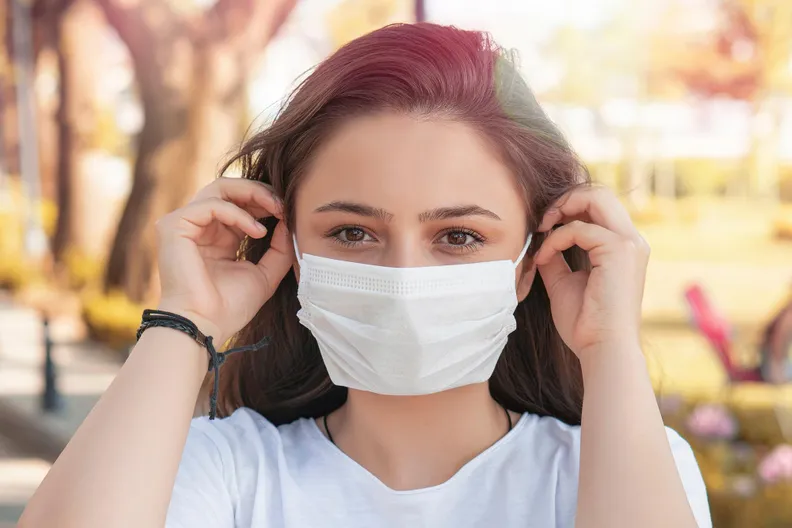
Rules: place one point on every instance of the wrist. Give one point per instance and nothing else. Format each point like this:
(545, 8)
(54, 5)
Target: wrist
(204, 325)
(622, 351)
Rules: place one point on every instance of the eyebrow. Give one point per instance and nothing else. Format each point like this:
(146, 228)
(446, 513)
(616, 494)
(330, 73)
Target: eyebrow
(441, 213)
(457, 211)
(355, 208)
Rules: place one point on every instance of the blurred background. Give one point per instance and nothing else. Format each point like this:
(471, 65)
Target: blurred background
(113, 112)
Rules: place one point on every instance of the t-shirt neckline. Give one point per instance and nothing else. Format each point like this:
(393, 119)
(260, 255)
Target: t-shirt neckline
(476, 461)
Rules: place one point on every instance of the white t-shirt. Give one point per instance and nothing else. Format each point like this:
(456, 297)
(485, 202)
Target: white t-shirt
(243, 472)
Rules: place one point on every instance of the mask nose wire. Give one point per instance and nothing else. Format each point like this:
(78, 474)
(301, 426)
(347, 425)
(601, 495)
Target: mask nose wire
(522, 253)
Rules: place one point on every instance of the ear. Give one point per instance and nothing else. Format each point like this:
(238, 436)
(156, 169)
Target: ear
(526, 273)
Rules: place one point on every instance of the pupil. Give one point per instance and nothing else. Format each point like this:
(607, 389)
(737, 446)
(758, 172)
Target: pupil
(457, 239)
(354, 235)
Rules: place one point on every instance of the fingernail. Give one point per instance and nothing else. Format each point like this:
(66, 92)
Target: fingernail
(261, 227)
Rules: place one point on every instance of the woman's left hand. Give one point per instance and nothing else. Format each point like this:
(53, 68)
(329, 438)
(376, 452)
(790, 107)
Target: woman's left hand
(597, 309)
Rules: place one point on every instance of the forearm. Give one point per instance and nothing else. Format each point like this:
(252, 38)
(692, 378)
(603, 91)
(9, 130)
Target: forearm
(628, 476)
(119, 468)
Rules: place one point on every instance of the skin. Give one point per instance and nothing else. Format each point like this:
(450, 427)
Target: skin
(405, 167)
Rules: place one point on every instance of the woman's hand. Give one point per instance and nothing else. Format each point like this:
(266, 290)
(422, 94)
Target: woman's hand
(600, 309)
(200, 275)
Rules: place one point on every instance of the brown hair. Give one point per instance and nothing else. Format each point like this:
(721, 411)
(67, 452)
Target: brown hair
(425, 70)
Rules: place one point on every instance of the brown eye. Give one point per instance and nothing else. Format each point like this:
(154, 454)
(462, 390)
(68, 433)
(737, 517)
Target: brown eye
(353, 234)
(458, 238)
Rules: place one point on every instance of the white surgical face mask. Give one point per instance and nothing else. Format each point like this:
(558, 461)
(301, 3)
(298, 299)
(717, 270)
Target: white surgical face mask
(408, 331)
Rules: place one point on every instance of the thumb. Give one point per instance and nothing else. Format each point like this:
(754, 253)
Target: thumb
(553, 271)
(278, 259)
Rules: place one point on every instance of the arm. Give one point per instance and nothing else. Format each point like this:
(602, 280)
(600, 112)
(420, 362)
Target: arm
(628, 476)
(119, 469)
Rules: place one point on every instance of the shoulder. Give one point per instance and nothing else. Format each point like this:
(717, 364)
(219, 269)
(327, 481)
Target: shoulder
(243, 435)
(242, 423)
(246, 434)
(548, 434)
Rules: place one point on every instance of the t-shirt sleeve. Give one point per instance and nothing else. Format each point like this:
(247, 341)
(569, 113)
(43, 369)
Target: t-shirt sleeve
(686, 465)
(201, 497)
(691, 477)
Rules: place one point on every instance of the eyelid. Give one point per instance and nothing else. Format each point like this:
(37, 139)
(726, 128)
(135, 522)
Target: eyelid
(339, 229)
(461, 229)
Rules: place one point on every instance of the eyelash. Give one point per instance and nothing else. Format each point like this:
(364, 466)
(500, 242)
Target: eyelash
(478, 239)
(333, 234)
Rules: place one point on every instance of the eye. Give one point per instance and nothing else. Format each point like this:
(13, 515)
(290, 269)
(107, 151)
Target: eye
(458, 238)
(461, 239)
(350, 235)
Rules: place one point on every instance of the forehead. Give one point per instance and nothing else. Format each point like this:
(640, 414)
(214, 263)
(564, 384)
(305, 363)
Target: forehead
(402, 161)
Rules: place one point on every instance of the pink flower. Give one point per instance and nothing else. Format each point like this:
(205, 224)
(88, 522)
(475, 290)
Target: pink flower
(777, 465)
(713, 422)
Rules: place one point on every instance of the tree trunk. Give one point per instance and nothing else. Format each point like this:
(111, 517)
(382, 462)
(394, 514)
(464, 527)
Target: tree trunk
(218, 109)
(192, 81)
(10, 121)
(46, 16)
(181, 147)
(160, 176)
(81, 26)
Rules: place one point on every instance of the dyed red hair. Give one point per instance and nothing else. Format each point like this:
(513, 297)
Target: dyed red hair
(429, 71)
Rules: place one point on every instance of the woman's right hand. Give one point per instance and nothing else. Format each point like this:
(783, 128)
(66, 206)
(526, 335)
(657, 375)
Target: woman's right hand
(200, 276)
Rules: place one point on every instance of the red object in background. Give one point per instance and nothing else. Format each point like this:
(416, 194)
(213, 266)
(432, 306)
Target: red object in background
(718, 332)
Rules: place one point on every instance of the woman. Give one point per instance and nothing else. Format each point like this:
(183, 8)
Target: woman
(429, 370)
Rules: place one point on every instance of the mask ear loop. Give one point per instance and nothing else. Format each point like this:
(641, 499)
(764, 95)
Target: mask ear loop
(296, 249)
(523, 252)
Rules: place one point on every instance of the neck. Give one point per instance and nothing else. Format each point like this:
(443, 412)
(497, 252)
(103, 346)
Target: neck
(412, 442)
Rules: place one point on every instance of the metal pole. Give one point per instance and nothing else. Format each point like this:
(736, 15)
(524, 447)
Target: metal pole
(35, 238)
(50, 397)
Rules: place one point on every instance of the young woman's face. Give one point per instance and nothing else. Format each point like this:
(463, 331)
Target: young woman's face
(401, 191)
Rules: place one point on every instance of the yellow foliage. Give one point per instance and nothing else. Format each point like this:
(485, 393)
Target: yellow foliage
(48, 213)
(15, 270)
(111, 318)
(82, 270)
(706, 176)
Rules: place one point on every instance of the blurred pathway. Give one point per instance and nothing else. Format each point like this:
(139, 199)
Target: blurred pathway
(31, 439)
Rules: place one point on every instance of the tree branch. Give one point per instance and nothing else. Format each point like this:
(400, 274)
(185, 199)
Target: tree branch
(248, 24)
(143, 25)
(129, 25)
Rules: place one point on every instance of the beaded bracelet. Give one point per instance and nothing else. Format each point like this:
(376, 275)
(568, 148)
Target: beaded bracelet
(152, 318)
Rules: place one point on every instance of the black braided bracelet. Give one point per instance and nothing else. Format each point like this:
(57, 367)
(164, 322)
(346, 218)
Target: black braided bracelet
(152, 318)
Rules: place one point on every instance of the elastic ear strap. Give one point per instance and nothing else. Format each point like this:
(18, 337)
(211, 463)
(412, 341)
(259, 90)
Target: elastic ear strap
(296, 249)
(524, 250)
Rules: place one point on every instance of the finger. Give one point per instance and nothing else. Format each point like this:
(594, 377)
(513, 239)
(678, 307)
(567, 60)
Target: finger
(596, 204)
(588, 237)
(278, 259)
(197, 216)
(553, 271)
(253, 195)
